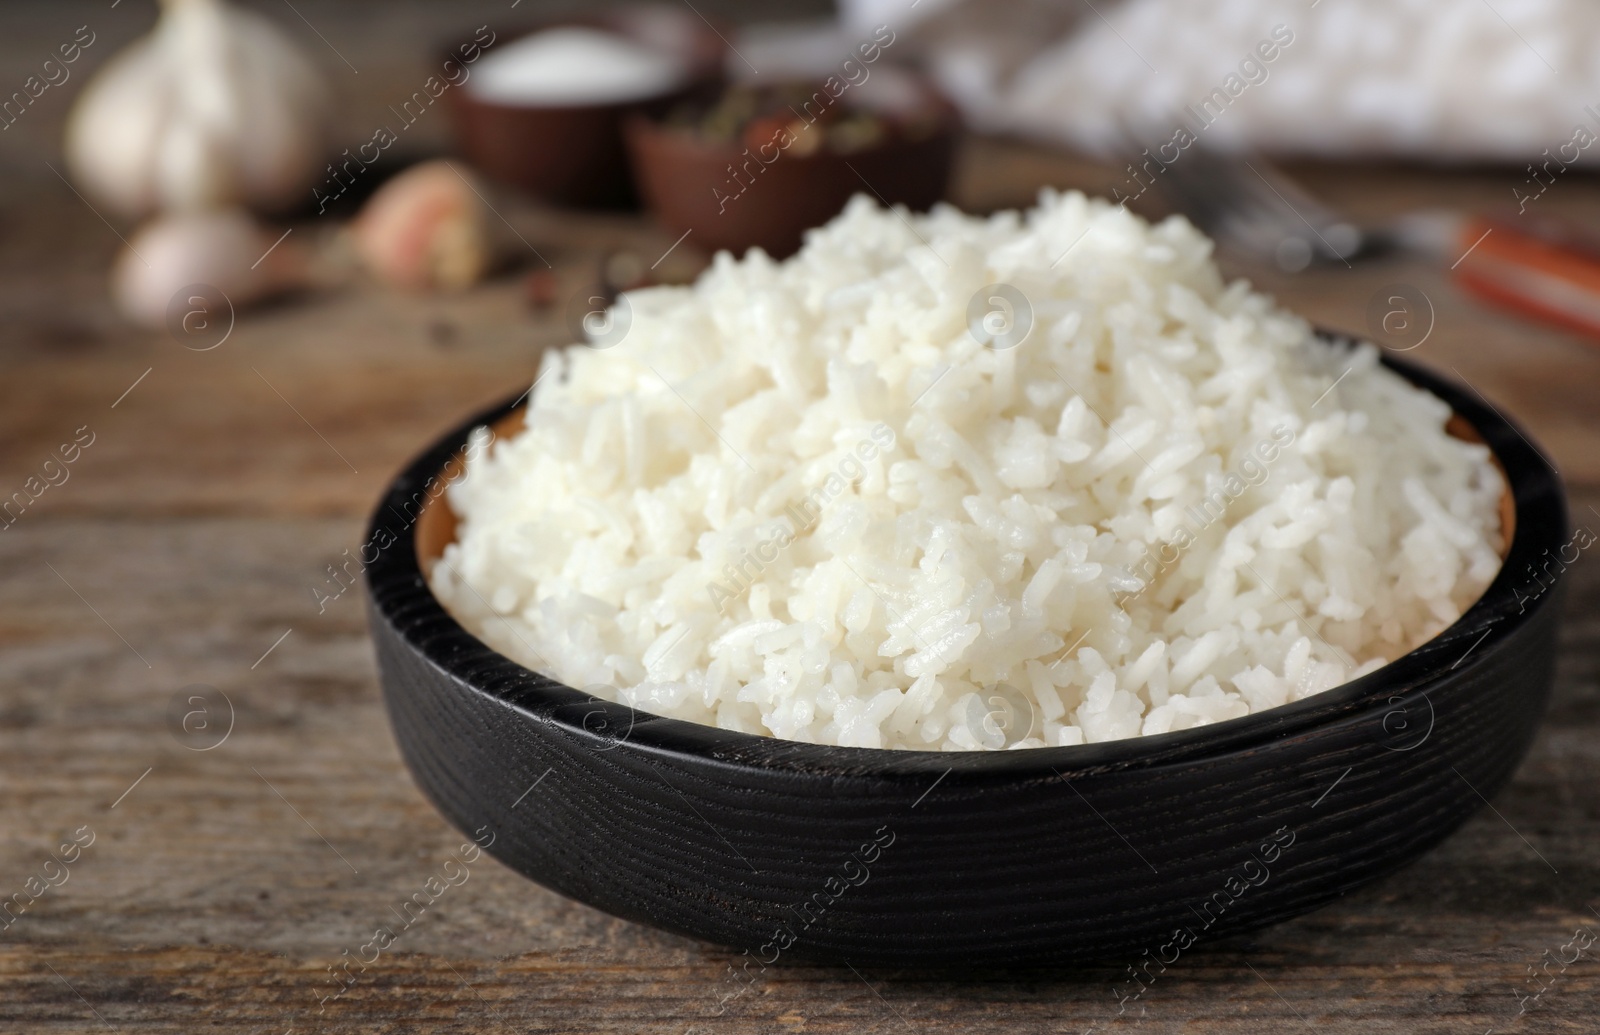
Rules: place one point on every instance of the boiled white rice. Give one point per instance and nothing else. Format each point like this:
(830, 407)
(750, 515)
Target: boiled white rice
(806, 499)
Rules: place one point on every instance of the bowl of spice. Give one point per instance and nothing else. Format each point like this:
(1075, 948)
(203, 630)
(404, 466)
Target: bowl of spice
(759, 165)
(543, 112)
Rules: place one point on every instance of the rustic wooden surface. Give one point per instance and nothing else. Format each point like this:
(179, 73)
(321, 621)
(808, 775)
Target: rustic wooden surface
(222, 884)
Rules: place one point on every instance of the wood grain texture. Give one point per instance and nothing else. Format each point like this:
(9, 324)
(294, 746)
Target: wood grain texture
(205, 512)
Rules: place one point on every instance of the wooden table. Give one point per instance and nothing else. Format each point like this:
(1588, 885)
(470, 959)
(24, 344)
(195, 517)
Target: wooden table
(186, 545)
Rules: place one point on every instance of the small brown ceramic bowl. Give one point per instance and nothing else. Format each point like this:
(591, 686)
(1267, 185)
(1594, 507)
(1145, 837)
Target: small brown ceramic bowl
(1133, 848)
(574, 154)
(736, 197)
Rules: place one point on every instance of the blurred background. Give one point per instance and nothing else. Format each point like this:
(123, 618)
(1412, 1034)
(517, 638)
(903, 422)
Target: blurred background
(583, 142)
(254, 255)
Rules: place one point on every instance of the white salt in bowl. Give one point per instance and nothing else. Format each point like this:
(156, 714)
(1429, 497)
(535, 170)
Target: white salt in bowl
(528, 121)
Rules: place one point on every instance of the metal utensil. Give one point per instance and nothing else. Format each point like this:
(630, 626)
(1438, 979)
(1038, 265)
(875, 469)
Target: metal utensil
(1548, 270)
(1246, 202)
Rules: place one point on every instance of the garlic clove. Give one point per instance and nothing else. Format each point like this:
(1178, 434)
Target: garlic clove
(428, 228)
(215, 107)
(225, 249)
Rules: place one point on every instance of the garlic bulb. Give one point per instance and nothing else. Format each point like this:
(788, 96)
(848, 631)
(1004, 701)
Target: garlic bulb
(430, 228)
(215, 107)
(225, 249)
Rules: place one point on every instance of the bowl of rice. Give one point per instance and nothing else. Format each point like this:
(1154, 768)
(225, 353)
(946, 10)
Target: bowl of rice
(1011, 588)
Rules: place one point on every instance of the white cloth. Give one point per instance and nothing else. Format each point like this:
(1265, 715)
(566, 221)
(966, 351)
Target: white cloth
(1438, 80)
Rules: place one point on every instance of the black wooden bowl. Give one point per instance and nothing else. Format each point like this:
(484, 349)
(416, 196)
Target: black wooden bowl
(1133, 849)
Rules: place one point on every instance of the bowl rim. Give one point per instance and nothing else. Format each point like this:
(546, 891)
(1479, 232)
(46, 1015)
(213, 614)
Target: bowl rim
(699, 71)
(1539, 525)
(944, 123)
(640, 131)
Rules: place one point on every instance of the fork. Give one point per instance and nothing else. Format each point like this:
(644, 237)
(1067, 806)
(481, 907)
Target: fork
(1544, 269)
(1246, 202)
